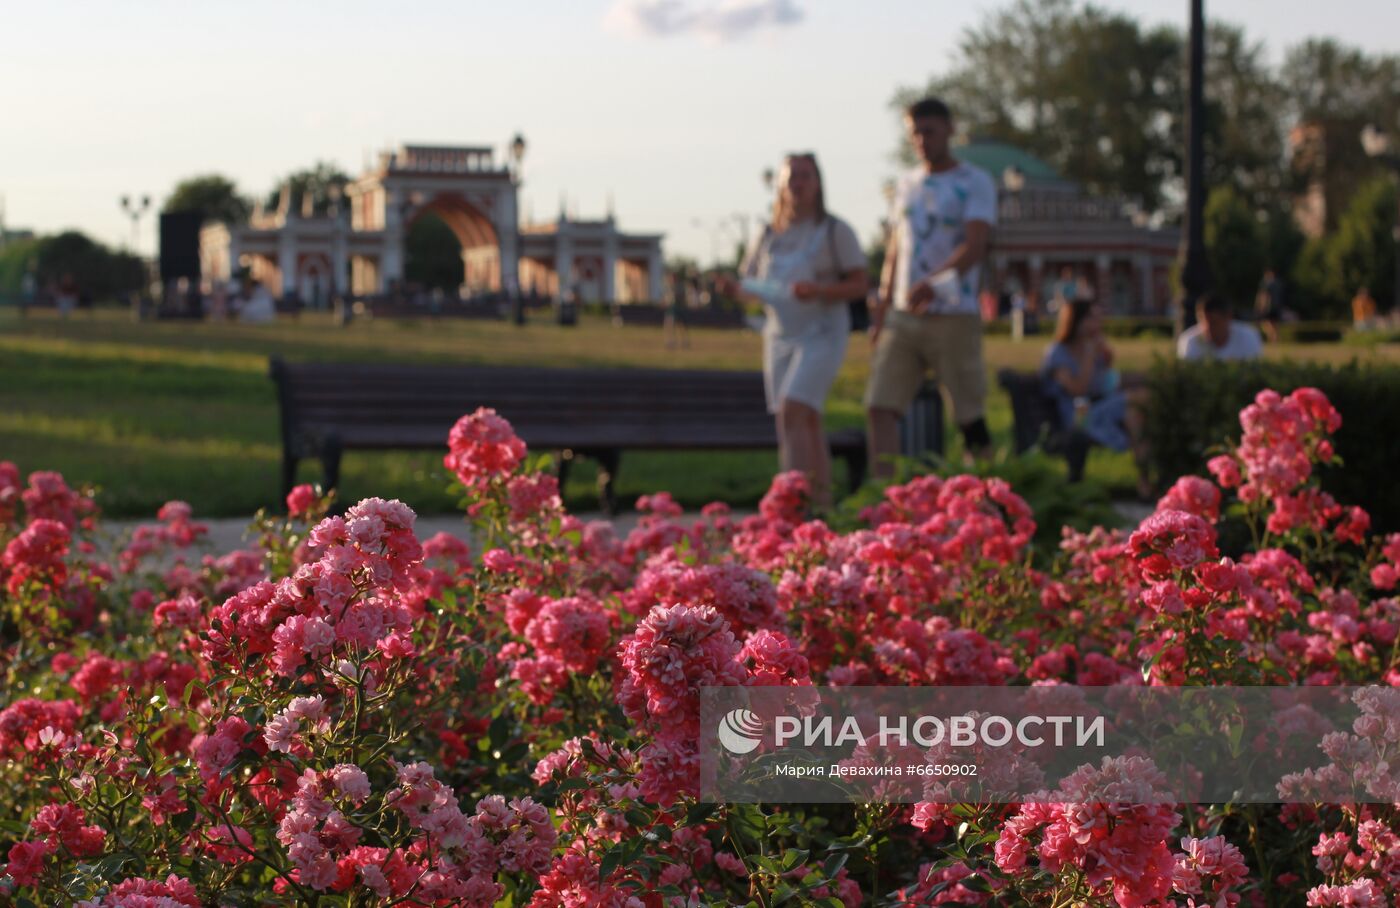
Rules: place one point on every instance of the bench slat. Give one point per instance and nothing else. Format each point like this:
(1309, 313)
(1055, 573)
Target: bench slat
(330, 407)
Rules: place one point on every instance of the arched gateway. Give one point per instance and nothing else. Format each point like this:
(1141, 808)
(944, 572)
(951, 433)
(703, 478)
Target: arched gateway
(363, 253)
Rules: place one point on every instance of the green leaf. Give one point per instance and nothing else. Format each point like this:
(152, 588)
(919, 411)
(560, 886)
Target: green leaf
(792, 859)
(609, 863)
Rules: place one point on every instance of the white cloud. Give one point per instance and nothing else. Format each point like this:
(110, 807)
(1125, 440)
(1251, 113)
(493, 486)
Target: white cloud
(728, 20)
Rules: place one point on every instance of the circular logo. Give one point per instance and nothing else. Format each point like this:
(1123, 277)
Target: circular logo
(740, 731)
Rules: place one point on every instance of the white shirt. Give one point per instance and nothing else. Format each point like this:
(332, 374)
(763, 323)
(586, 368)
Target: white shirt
(931, 212)
(1243, 343)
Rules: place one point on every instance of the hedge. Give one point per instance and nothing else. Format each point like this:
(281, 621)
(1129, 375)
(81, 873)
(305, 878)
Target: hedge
(1312, 332)
(1195, 406)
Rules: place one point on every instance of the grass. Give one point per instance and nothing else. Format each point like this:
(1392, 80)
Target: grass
(154, 411)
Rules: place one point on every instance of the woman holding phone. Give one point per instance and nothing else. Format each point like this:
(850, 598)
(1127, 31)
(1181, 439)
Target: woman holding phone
(804, 268)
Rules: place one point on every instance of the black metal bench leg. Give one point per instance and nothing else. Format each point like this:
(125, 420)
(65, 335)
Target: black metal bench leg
(331, 451)
(855, 469)
(608, 463)
(1077, 455)
(566, 460)
(289, 472)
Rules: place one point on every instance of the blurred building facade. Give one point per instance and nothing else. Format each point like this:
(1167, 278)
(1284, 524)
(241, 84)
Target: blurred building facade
(1050, 229)
(356, 245)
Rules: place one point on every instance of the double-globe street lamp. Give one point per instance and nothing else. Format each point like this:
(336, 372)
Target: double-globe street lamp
(134, 209)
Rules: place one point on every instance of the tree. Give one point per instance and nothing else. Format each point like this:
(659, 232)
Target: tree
(1312, 295)
(1102, 99)
(433, 255)
(1075, 86)
(1244, 136)
(16, 258)
(1324, 78)
(1283, 241)
(317, 180)
(1337, 91)
(1234, 245)
(100, 273)
(213, 195)
(1361, 253)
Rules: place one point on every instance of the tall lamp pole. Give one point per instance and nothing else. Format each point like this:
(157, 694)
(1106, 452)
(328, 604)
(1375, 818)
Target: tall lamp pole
(1195, 269)
(1381, 146)
(516, 151)
(134, 208)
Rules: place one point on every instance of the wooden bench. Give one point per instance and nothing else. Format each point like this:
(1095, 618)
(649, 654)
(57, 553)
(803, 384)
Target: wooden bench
(328, 408)
(1036, 419)
(452, 308)
(629, 314)
(289, 305)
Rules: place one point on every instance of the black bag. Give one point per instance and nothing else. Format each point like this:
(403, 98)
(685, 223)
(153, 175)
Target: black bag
(860, 309)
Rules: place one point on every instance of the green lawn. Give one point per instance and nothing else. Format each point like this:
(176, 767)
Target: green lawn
(155, 411)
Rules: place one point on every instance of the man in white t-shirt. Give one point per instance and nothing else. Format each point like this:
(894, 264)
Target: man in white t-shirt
(1217, 336)
(926, 320)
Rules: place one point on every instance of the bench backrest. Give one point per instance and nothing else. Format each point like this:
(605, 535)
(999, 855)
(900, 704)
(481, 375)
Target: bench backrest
(644, 314)
(547, 407)
(450, 309)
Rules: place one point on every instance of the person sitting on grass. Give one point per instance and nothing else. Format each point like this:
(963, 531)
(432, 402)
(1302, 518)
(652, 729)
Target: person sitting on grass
(255, 305)
(1217, 336)
(1078, 375)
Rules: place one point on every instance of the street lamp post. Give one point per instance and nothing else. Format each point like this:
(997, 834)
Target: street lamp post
(134, 209)
(1379, 145)
(1195, 269)
(517, 160)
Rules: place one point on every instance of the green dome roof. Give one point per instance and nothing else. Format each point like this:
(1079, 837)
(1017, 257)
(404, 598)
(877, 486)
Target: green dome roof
(994, 157)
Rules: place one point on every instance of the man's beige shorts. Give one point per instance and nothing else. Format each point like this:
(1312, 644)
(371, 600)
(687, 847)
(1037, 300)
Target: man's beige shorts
(912, 346)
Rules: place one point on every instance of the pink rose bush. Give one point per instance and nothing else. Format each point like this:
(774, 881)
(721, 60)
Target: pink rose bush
(344, 714)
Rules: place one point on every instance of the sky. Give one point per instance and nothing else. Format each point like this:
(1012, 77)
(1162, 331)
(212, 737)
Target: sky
(671, 108)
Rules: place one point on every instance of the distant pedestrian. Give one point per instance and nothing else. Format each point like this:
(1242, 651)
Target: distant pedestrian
(1065, 290)
(674, 326)
(1268, 304)
(28, 289)
(1018, 314)
(1363, 310)
(66, 297)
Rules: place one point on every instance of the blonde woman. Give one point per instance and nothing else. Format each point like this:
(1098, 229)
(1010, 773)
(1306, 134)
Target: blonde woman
(804, 268)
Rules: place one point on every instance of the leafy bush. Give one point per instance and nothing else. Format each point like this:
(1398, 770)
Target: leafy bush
(1140, 326)
(1235, 246)
(101, 272)
(1312, 332)
(1195, 406)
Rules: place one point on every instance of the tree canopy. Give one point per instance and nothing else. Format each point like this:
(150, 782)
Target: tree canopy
(1101, 97)
(213, 195)
(317, 180)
